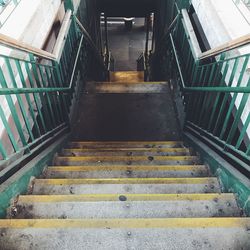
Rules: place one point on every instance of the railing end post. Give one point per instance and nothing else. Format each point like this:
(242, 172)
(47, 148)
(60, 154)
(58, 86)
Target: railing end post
(68, 4)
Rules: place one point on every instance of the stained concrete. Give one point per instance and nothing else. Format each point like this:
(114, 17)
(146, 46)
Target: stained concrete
(126, 117)
(223, 238)
(200, 171)
(212, 186)
(129, 209)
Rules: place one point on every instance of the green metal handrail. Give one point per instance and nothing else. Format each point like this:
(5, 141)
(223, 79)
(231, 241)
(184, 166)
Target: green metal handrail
(37, 93)
(3, 6)
(215, 93)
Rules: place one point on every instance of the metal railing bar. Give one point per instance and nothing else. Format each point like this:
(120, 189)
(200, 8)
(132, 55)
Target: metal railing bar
(19, 100)
(222, 144)
(90, 41)
(31, 110)
(8, 130)
(13, 91)
(36, 97)
(13, 110)
(25, 61)
(201, 88)
(177, 61)
(233, 44)
(3, 151)
(243, 132)
(13, 43)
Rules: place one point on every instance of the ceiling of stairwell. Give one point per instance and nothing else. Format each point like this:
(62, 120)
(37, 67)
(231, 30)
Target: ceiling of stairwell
(135, 8)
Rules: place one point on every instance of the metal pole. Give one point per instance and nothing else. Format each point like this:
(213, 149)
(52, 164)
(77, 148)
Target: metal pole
(147, 36)
(106, 34)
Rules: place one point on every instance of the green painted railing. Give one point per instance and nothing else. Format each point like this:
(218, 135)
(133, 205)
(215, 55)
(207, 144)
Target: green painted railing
(215, 94)
(36, 94)
(7, 6)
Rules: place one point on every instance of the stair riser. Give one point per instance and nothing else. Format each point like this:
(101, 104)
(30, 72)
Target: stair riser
(126, 188)
(101, 161)
(124, 153)
(136, 88)
(115, 145)
(126, 174)
(126, 238)
(128, 209)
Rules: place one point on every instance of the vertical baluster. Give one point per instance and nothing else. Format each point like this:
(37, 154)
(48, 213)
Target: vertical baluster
(13, 110)
(42, 96)
(243, 132)
(8, 130)
(36, 98)
(237, 116)
(199, 95)
(23, 81)
(218, 95)
(225, 100)
(248, 150)
(19, 99)
(193, 97)
(207, 97)
(59, 81)
(55, 98)
(232, 103)
(47, 95)
(3, 151)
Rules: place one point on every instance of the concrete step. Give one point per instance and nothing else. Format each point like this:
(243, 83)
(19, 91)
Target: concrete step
(124, 234)
(129, 160)
(125, 87)
(126, 152)
(89, 145)
(126, 186)
(129, 206)
(127, 76)
(124, 171)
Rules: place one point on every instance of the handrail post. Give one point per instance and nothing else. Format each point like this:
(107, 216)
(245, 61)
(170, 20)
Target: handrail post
(106, 48)
(68, 4)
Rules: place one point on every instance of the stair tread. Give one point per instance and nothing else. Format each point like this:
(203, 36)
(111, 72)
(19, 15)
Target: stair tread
(125, 167)
(130, 160)
(141, 234)
(129, 88)
(129, 197)
(129, 76)
(128, 181)
(219, 222)
(129, 185)
(123, 171)
(168, 208)
(124, 151)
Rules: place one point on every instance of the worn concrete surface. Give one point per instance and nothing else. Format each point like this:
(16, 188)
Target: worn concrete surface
(223, 238)
(126, 117)
(127, 172)
(210, 187)
(129, 209)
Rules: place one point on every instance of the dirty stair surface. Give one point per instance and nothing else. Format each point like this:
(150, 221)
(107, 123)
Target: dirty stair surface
(125, 195)
(127, 76)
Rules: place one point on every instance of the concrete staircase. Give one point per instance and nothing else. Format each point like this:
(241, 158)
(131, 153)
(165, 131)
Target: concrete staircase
(125, 195)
